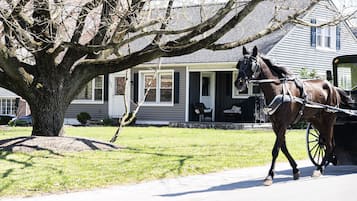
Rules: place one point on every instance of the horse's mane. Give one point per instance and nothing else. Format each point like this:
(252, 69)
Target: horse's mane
(279, 70)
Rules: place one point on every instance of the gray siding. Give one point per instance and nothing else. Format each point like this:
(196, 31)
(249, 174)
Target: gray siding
(294, 50)
(164, 113)
(97, 111)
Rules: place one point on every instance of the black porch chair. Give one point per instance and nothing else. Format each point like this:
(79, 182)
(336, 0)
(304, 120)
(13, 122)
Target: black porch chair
(204, 113)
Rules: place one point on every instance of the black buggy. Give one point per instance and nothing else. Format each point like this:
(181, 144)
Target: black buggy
(345, 129)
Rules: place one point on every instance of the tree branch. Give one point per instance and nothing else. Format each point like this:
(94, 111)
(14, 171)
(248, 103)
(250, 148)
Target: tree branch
(177, 49)
(270, 29)
(78, 31)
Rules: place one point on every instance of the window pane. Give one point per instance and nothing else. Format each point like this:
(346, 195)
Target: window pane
(327, 37)
(120, 85)
(8, 106)
(166, 88)
(3, 106)
(98, 90)
(205, 86)
(150, 86)
(86, 93)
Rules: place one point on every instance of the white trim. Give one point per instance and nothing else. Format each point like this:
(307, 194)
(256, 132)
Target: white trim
(111, 91)
(187, 90)
(87, 102)
(212, 90)
(158, 80)
(250, 89)
(184, 65)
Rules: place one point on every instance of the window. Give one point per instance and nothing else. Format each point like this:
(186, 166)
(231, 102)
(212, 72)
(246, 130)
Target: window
(323, 37)
(158, 87)
(326, 37)
(92, 92)
(251, 90)
(344, 74)
(205, 86)
(120, 83)
(7, 106)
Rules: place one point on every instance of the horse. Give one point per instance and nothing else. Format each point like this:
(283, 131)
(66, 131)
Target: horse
(287, 99)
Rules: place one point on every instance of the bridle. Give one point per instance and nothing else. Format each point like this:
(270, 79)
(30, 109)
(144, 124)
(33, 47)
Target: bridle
(254, 67)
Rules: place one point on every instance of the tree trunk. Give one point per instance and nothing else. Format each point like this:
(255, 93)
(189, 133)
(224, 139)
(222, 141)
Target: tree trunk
(48, 116)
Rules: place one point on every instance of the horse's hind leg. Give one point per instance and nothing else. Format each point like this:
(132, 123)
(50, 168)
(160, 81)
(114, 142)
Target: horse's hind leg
(326, 132)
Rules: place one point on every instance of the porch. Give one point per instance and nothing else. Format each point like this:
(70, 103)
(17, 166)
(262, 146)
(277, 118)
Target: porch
(214, 99)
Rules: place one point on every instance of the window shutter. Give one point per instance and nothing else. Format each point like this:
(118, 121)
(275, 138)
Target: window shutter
(313, 34)
(176, 87)
(338, 36)
(136, 87)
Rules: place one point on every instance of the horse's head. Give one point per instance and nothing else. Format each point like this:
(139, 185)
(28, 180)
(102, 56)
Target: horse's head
(248, 68)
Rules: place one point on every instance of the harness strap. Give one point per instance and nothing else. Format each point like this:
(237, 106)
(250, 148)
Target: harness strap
(286, 96)
(300, 85)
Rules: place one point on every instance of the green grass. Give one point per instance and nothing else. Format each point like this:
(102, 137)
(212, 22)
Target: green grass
(148, 153)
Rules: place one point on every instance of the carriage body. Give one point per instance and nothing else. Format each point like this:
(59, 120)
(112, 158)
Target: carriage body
(345, 129)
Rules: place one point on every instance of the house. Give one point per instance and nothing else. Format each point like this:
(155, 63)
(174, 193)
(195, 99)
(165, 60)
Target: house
(179, 83)
(207, 76)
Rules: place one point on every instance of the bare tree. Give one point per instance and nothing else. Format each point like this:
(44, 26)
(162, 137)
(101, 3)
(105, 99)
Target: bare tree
(50, 49)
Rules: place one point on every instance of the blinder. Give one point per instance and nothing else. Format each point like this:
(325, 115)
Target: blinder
(254, 67)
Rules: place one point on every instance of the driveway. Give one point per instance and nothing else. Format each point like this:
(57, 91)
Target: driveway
(338, 183)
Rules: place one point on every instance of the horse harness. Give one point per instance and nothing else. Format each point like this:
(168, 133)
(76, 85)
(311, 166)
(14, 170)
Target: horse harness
(285, 96)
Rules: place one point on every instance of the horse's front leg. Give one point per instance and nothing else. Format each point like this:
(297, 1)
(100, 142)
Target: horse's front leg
(296, 172)
(275, 152)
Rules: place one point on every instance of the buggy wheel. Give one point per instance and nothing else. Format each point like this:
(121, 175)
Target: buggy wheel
(316, 147)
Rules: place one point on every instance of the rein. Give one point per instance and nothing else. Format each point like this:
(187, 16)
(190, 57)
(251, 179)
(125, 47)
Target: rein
(262, 81)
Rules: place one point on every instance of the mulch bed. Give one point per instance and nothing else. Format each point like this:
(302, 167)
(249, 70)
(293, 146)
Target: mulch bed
(53, 144)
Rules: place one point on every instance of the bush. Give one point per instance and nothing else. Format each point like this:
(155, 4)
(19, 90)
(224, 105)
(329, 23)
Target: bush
(83, 117)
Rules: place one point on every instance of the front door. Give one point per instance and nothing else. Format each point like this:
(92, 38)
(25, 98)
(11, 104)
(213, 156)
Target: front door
(117, 91)
(207, 90)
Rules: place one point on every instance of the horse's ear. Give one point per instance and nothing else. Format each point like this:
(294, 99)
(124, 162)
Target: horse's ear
(255, 51)
(245, 51)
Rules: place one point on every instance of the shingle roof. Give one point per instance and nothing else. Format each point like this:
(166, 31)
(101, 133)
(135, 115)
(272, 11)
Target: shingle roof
(253, 23)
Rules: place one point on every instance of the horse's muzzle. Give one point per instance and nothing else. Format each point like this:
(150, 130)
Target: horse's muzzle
(240, 84)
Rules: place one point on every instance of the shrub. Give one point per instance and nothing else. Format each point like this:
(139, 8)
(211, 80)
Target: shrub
(83, 117)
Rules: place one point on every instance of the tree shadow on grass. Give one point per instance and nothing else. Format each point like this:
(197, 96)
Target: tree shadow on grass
(54, 145)
(25, 159)
(10, 145)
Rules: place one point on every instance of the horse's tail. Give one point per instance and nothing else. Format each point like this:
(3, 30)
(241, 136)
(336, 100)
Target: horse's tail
(345, 99)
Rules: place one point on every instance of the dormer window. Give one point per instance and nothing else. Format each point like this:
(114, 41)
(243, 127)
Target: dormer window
(325, 37)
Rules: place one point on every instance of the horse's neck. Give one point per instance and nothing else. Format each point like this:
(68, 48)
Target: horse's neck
(270, 89)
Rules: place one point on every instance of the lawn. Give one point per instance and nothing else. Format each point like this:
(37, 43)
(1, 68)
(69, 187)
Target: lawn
(147, 153)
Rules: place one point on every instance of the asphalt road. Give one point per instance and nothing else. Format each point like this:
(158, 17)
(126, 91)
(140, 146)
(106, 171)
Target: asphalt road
(338, 183)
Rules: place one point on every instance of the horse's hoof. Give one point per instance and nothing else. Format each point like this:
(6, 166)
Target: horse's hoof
(316, 173)
(268, 181)
(297, 175)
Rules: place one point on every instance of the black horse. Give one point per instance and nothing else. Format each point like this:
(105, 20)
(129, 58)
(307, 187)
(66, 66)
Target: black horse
(287, 100)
